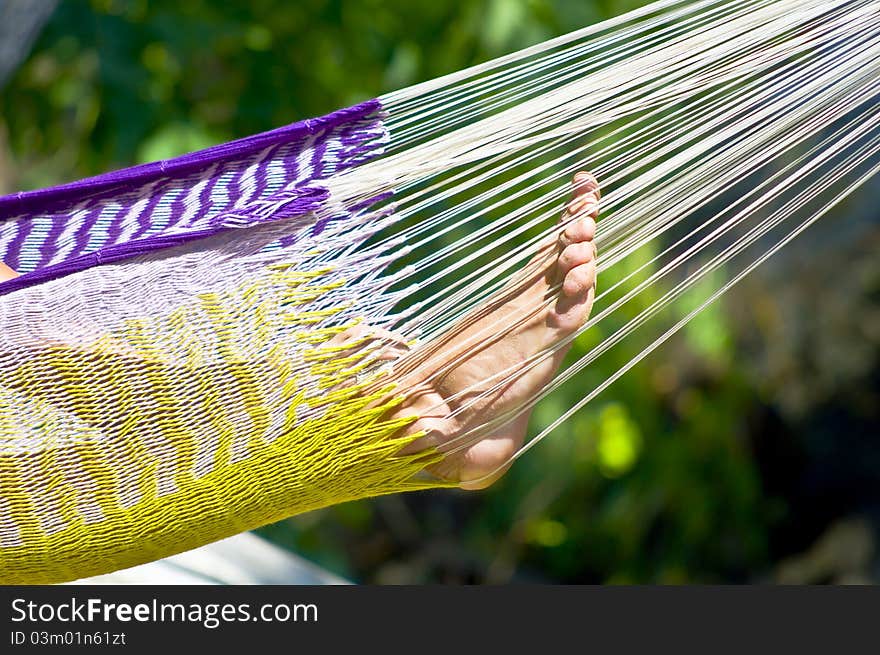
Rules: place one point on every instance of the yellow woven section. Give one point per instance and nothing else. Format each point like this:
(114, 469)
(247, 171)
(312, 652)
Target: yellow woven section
(119, 454)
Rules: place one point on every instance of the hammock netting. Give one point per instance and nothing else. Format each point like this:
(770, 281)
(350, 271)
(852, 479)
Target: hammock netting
(170, 369)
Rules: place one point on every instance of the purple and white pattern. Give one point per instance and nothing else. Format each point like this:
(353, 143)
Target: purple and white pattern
(53, 232)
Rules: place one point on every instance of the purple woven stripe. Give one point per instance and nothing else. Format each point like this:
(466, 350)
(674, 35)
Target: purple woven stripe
(158, 205)
(262, 177)
(203, 201)
(82, 237)
(144, 223)
(148, 204)
(306, 200)
(12, 260)
(45, 200)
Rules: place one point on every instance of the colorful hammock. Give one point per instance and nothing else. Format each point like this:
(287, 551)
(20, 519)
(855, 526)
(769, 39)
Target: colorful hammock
(169, 369)
(151, 425)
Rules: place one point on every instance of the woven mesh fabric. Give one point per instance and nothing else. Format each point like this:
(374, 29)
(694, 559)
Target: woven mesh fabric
(165, 373)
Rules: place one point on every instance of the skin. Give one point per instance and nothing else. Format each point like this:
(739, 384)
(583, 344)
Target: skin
(549, 300)
(6, 273)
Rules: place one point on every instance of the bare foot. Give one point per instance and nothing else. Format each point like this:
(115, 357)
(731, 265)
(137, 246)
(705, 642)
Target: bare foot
(530, 314)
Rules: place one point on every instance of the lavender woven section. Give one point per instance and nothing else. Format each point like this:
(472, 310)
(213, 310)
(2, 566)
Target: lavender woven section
(52, 232)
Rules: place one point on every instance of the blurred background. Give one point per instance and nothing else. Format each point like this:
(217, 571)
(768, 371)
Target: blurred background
(747, 449)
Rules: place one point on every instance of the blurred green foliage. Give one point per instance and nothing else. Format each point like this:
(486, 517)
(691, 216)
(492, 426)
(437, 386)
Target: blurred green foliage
(657, 480)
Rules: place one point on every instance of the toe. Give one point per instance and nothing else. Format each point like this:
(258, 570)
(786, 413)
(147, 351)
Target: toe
(586, 204)
(575, 255)
(579, 280)
(571, 311)
(583, 229)
(579, 217)
(585, 182)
